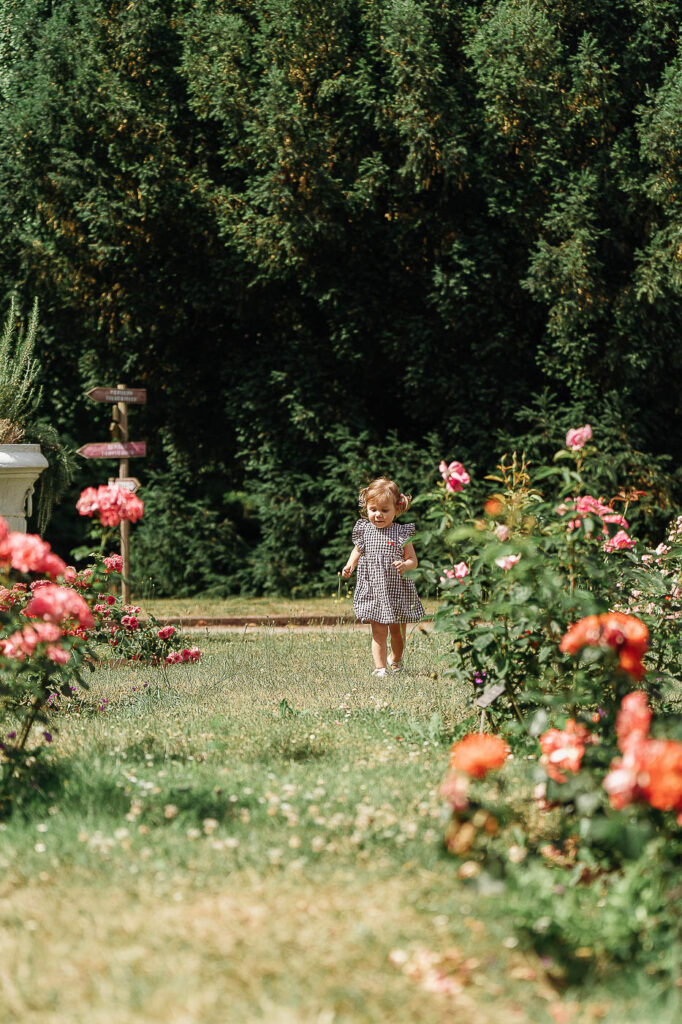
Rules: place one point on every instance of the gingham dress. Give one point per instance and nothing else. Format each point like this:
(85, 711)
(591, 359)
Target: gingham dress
(381, 593)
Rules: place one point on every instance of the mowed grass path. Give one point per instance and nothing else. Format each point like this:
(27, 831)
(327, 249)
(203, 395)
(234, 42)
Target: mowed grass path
(258, 837)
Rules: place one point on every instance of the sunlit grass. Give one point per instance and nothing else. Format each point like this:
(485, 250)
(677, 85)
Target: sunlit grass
(259, 837)
(196, 607)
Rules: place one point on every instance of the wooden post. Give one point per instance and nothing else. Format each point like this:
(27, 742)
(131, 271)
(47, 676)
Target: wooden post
(123, 471)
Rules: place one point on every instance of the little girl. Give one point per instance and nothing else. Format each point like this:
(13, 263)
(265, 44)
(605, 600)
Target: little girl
(382, 553)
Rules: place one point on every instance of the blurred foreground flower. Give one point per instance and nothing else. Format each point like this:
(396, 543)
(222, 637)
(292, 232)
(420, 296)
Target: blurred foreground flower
(478, 753)
(27, 552)
(564, 749)
(650, 770)
(624, 633)
(58, 604)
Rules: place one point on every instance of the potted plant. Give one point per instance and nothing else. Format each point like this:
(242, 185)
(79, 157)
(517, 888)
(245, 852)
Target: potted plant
(30, 447)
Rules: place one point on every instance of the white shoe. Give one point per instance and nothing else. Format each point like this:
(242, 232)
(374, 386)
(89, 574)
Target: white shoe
(395, 666)
(380, 673)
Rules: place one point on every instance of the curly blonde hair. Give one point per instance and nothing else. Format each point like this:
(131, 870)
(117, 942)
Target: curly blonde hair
(383, 489)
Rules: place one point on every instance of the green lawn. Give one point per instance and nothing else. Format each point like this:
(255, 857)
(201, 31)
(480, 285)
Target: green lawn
(258, 838)
(233, 606)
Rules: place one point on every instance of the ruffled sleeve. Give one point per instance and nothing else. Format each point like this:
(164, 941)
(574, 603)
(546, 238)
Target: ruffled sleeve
(406, 531)
(359, 535)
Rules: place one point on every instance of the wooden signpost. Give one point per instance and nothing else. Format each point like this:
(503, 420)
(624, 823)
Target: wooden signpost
(113, 450)
(129, 396)
(128, 483)
(122, 449)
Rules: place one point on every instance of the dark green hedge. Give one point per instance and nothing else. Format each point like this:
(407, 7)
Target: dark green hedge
(302, 226)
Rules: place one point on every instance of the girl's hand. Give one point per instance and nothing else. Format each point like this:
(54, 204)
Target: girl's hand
(401, 566)
(347, 570)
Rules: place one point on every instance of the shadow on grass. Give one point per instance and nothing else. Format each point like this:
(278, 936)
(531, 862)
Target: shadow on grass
(63, 783)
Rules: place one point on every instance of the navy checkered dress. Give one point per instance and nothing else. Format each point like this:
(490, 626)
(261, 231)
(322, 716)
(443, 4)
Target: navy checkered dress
(381, 593)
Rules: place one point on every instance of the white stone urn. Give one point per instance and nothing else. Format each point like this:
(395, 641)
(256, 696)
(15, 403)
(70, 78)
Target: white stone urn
(20, 467)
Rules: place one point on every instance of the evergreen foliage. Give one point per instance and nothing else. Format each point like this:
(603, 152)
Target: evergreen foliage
(19, 398)
(298, 222)
(20, 401)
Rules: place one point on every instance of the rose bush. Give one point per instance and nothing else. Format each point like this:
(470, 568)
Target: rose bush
(543, 554)
(566, 630)
(56, 622)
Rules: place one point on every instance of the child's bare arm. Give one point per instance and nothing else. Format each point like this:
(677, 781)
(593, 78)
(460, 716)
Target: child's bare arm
(353, 560)
(409, 561)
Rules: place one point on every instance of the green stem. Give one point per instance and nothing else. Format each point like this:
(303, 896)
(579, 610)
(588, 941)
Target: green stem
(29, 721)
(517, 710)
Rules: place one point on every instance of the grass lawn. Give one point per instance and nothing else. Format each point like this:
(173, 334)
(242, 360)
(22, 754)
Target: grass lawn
(258, 838)
(232, 606)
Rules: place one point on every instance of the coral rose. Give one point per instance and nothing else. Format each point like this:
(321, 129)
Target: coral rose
(624, 633)
(651, 771)
(478, 753)
(564, 749)
(634, 718)
(661, 781)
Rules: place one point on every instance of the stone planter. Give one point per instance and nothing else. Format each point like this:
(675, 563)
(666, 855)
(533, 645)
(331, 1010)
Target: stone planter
(20, 467)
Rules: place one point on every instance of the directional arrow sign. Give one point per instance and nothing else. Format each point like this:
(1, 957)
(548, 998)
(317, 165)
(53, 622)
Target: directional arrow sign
(131, 396)
(128, 483)
(114, 450)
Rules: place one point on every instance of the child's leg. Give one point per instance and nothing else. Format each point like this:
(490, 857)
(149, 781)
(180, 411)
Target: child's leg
(379, 643)
(397, 641)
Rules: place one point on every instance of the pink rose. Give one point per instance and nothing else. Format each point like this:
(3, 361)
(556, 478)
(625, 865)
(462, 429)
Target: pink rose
(455, 476)
(52, 603)
(461, 570)
(130, 622)
(578, 438)
(22, 644)
(501, 532)
(114, 563)
(455, 789)
(111, 503)
(166, 632)
(27, 552)
(508, 561)
(621, 542)
(57, 654)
